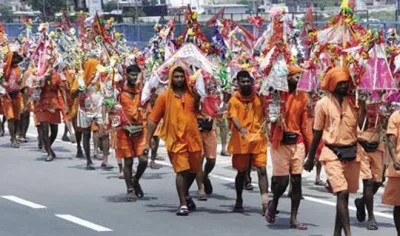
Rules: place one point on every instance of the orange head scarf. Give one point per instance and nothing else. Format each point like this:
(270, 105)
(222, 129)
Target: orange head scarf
(294, 70)
(333, 77)
(89, 69)
(169, 131)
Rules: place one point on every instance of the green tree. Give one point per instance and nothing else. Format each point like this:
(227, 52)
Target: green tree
(135, 13)
(244, 2)
(6, 13)
(110, 6)
(50, 7)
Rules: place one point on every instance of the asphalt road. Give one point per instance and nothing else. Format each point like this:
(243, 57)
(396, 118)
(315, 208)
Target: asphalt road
(62, 198)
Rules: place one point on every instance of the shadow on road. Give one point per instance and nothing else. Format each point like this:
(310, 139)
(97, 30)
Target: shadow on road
(120, 198)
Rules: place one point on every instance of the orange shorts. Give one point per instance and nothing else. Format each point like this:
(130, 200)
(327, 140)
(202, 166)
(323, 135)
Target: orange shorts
(210, 144)
(241, 162)
(46, 116)
(288, 159)
(12, 107)
(184, 161)
(391, 196)
(343, 176)
(371, 164)
(128, 147)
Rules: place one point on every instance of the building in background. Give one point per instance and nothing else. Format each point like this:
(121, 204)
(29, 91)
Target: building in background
(15, 5)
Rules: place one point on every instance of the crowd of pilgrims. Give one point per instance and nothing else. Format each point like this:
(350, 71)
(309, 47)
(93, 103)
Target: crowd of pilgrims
(340, 136)
(102, 100)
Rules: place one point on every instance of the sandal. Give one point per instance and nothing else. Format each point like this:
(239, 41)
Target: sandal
(319, 183)
(182, 211)
(360, 209)
(372, 225)
(131, 196)
(207, 186)
(49, 158)
(225, 154)
(249, 187)
(238, 208)
(154, 166)
(106, 166)
(270, 216)
(65, 138)
(138, 190)
(299, 226)
(190, 204)
(201, 196)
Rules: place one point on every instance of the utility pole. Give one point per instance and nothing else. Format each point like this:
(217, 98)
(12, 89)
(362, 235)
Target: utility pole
(44, 10)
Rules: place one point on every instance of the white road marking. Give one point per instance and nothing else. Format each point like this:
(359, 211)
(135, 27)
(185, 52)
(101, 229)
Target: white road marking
(23, 202)
(232, 180)
(83, 223)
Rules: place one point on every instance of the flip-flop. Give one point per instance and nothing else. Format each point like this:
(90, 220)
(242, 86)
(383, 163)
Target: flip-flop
(208, 188)
(182, 211)
(299, 226)
(372, 225)
(360, 210)
(270, 217)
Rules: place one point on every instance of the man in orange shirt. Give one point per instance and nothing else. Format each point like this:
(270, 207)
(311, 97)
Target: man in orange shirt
(178, 107)
(12, 101)
(336, 120)
(290, 142)
(131, 145)
(91, 111)
(371, 152)
(391, 196)
(248, 142)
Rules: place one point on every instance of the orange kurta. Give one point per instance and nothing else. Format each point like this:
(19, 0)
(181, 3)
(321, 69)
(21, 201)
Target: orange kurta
(179, 129)
(289, 159)
(48, 107)
(250, 113)
(131, 146)
(12, 76)
(339, 126)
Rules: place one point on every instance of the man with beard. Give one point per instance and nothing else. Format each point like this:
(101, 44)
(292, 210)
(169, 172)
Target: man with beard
(12, 100)
(290, 142)
(336, 120)
(178, 107)
(132, 138)
(248, 142)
